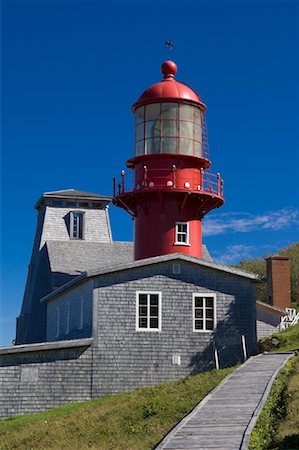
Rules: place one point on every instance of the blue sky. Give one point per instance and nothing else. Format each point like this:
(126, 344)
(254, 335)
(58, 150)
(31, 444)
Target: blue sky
(72, 70)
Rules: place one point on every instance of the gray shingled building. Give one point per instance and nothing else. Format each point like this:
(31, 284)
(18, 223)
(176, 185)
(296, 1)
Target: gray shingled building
(95, 322)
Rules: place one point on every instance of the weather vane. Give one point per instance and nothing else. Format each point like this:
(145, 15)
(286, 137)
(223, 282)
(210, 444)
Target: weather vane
(168, 45)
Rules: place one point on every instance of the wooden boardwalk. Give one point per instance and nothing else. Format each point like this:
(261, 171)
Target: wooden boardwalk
(226, 417)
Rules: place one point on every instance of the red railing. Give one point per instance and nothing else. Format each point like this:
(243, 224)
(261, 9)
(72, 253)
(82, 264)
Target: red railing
(165, 179)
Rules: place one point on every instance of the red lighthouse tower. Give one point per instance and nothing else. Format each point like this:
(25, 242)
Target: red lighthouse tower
(171, 189)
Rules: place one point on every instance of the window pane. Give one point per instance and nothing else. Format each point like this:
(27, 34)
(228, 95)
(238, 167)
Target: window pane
(154, 299)
(209, 314)
(153, 322)
(209, 302)
(186, 129)
(139, 115)
(209, 325)
(186, 146)
(142, 299)
(197, 133)
(139, 132)
(152, 129)
(139, 148)
(169, 128)
(77, 232)
(169, 145)
(152, 146)
(182, 227)
(187, 112)
(199, 324)
(143, 311)
(197, 115)
(142, 322)
(154, 311)
(197, 149)
(198, 302)
(198, 313)
(152, 111)
(169, 110)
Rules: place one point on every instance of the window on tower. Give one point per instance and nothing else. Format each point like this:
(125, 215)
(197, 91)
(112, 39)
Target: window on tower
(77, 225)
(182, 233)
(169, 128)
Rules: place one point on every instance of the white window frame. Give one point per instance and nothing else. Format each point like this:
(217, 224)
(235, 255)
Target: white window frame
(148, 329)
(82, 214)
(177, 232)
(204, 295)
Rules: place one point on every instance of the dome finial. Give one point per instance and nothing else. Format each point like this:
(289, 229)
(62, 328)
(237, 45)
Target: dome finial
(169, 69)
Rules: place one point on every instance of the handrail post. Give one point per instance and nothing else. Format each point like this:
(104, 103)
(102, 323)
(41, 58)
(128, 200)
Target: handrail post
(114, 186)
(145, 176)
(174, 175)
(122, 181)
(201, 178)
(218, 184)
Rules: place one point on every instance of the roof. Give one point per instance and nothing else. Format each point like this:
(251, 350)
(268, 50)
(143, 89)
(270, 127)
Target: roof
(70, 258)
(45, 346)
(72, 194)
(169, 90)
(275, 309)
(151, 261)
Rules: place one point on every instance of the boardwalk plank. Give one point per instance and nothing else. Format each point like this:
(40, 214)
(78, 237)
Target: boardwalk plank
(227, 414)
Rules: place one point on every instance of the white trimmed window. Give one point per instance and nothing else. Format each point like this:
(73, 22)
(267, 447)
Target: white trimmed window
(148, 311)
(182, 233)
(77, 225)
(204, 312)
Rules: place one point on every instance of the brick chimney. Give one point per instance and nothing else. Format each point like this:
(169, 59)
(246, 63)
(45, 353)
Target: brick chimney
(279, 281)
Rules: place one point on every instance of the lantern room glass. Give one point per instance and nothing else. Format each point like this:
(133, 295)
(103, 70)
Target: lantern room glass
(168, 128)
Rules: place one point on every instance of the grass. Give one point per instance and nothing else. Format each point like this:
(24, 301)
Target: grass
(277, 428)
(137, 420)
(287, 432)
(284, 341)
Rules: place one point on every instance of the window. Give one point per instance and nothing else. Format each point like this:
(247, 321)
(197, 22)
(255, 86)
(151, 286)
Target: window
(182, 233)
(67, 318)
(77, 225)
(204, 312)
(80, 316)
(168, 127)
(148, 311)
(57, 319)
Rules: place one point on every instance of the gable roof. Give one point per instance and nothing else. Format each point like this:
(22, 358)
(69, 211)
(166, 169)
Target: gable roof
(151, 261)
(70, 258)
(71, 194)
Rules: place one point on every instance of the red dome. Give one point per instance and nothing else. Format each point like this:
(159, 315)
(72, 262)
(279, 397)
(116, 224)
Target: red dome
(169, 90)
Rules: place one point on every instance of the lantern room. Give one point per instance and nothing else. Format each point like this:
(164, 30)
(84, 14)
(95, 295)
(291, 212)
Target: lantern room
(170, 118)
(168, 127)
(168, 188)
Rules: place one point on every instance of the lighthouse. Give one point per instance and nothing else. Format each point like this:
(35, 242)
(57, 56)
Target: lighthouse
(168, 188)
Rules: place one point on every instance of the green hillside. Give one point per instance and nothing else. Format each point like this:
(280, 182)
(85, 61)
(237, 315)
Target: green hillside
(277, 428)
(258, 265)
(137, 420)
